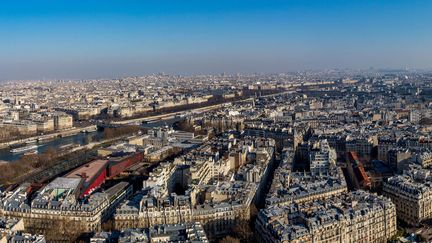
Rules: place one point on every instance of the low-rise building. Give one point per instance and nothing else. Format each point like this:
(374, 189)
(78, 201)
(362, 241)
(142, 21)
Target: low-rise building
(58, 206)
(213, 194)
(349, 217)
(411, 192)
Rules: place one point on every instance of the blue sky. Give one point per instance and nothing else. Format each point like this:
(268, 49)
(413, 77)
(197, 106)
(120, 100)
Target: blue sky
(91, 39)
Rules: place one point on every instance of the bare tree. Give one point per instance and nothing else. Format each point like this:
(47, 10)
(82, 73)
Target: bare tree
(63, 230)
(229, 239)
(243, 231)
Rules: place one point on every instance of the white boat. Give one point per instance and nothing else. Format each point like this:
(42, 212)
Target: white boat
(24, 149)
(45, 138)
(32, 152)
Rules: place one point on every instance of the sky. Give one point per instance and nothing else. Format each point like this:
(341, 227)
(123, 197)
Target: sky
(111, 38)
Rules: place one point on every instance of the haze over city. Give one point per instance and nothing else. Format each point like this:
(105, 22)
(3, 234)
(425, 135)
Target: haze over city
(94, 39)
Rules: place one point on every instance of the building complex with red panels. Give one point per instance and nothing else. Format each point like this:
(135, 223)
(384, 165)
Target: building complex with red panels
(117, 165)
(93, 174)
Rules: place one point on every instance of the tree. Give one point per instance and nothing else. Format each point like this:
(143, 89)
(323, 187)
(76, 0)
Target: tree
(56, 229)
(243, 231)
(120, 131)
(108, 226)
(229, 239)
(62, 230)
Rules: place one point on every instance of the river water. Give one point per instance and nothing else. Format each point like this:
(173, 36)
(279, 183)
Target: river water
(79, 138)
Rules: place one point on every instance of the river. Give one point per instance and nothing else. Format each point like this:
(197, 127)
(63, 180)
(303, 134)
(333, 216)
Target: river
(79, 138)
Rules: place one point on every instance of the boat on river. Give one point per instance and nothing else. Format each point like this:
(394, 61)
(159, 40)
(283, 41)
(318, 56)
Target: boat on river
(24, 149)
(32, 152)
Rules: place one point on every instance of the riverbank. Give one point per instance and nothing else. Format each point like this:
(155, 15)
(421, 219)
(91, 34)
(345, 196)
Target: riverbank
(41, 167)
(46, 137)
(57, 143)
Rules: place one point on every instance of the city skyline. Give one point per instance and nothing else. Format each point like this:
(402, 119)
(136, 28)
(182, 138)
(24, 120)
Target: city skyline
(216, 121)
(84, 40)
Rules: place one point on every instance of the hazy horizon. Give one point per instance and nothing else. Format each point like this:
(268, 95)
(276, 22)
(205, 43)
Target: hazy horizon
(93, 39)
